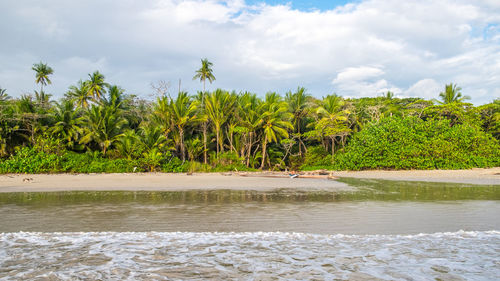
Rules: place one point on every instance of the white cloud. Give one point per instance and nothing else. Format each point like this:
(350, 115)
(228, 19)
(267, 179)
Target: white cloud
(364, 48)
(425, 88)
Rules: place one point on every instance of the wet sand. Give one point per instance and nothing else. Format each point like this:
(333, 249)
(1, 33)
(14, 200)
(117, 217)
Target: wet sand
(237, 181)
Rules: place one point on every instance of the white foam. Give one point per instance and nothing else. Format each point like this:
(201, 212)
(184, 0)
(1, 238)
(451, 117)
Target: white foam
(247, 255)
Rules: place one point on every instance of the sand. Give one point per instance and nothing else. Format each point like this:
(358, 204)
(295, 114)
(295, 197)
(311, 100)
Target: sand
(235, 181)
(473, 176)
(160, 182)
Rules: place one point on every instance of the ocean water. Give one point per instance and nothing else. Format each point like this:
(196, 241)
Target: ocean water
(461, 255)
(387, 231)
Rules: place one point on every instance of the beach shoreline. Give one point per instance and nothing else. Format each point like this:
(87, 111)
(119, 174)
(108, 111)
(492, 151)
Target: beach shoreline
(259, 181)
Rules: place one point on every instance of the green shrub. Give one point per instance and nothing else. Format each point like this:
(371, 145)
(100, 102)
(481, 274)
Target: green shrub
(412, 143)
(316, 157)
(29, 160)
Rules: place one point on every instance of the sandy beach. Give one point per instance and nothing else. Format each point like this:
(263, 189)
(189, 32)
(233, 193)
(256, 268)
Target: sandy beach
(489, 176)
(160, 182)
(236, 181)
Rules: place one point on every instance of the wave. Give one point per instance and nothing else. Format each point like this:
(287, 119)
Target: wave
(249, 255)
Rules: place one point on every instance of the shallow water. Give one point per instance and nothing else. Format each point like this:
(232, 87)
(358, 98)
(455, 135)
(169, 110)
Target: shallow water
(373, 234)
(347, 217)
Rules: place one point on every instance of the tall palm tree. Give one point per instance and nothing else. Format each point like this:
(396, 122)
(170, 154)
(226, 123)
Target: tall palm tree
(80, 94)
(218, 105)
(42, 99)
(205, 73)
(96, 85)
(203, 118)
(183, 113)
(452, 94)
(274, 120)
(298, 104)
(42, 74)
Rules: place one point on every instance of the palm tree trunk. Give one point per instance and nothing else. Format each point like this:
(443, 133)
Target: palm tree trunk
(333, 145)
(249, 148)
(300, 141)
(205, 142)
(217, 140)
(181, 137)
(264, 146)
(231, 142)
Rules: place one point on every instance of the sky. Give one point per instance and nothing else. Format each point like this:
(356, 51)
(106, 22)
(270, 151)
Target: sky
(359, 48)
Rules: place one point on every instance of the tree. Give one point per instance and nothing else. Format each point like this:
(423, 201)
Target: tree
(162, 115)
(274, 121)
(68, 123)
(205, 73)
(331, 121)
(104, 126)
(298, 104)
(42, 74)
(203, 118)
(183, 113)
(3, 95)
(80, 94)
(218, 105)
(452, 94)
(96, 85)
(248, 115)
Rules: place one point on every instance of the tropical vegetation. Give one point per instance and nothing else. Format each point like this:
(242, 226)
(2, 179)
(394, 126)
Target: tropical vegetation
(98, 127)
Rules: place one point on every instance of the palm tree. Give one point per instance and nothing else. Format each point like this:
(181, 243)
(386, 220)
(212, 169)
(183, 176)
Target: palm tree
(151, 137)
(298, 103)
(42, 74)
(104, 126)
(331, 119)
(249, 117)
(203, 118)
(3, 95)
(80, 94)
(205, 73)
(42, 99)
(162, 115)
(128, 146)
(183, 113)
(274, 120)
(452, 94)
(96, 85)
(218, 105)
(68, 123)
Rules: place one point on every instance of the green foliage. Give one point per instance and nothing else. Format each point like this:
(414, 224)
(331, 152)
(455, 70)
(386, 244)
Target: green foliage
(412, 143)
(97, 127)
(29, 160)
(317, 156)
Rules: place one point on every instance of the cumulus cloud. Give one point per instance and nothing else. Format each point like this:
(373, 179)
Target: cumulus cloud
(359, 49)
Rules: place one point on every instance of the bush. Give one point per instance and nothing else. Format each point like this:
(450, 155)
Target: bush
(412, 143)
(316, 157)
(29, 160)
